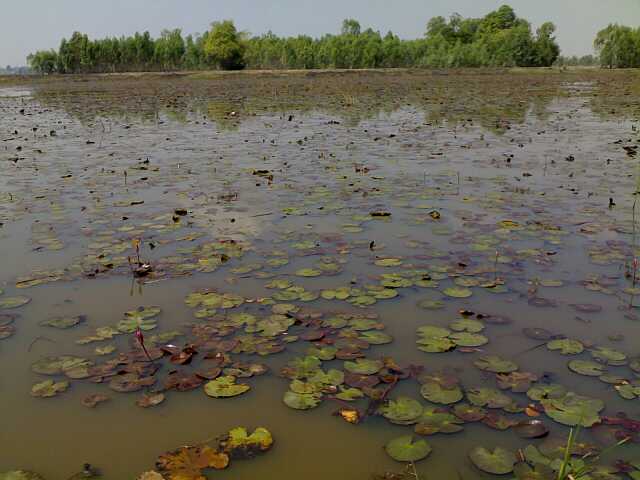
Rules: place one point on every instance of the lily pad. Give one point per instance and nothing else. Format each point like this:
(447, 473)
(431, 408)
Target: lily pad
(402, 411)
(498, 462)
(457, 292)
(224, 387)
(188, 462)
(364, 366)
(14, 302)
(435, 420)
(587, 368)
(608, 356)
(488, 397)
(48, 388)
(57, 365)
(466, 339)
(495, 364)
(64, 322)
(240, 444)
(566, 346)
(551, 390)
(20, 475)
(405, 449)
(302, 401)
(467, 325)
(436, 393)
(574, 409)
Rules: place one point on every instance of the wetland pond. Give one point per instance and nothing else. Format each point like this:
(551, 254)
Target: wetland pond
(370, 268)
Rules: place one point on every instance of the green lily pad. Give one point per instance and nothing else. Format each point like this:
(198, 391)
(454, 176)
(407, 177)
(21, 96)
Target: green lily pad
(363, 366)
(608, 356)
(523, 471)
(587, 368)
(20, 475)
(130, 325)
(402, 411)
(435, 393)
(48, 388)
(226, 386)
(350, 394)
(488, 397)
(302, 401)
(302, 367)
(498, 462)
(143, 313)
(429, 304)
(466, 339)
(326, 352)
(14, 302)
(628, 391)
(551, 390)
(239, 444)
(376, 337)
(566, 346)
(57, 365)
(467, 325)
(573, 409)
(457, 292)
(405, 449)
(434, 421)
(495, 364)
(432, 331)
(308, 272)
(435, 345)
(388, 262)
(64, 322)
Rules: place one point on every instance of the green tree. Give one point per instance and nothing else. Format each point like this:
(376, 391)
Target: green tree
(547, 50)
(224, 46)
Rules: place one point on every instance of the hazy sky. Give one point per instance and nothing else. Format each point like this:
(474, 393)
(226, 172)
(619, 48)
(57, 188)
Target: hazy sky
(28, 25)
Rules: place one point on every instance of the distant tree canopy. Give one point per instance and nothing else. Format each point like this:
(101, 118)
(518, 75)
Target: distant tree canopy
(499, 39)
(618, 46)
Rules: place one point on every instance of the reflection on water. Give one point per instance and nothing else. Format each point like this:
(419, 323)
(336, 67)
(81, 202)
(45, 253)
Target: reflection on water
(509, 194)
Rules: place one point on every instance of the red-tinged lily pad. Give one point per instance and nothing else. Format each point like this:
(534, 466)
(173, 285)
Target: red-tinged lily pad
(187, 463)
(517, 382)
(6, 331)
(469, 413)
(434, 420)
(532, 428)
(182, 381)
(130, 382)
(498, 422)
(150, 400)
(360, 381)
(92, 401)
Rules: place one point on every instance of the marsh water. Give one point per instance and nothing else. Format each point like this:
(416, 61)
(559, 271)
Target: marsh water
(417, 194)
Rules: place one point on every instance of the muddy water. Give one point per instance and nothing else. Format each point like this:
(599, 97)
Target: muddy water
(542, 152)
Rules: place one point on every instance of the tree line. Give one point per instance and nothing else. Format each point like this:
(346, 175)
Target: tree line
(618, 46)
(499, 39)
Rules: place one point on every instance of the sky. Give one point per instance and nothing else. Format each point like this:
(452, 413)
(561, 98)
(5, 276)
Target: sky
(29, 25)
